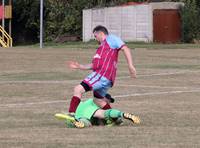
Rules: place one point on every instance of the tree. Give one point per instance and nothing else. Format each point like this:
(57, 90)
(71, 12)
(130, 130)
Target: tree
(25, 20)
(60, 17)
(190, 21)
(65, 17)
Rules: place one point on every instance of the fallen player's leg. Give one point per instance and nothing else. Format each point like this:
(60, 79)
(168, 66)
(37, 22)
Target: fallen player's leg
(88, 110)
(114, 113)
(108, 115)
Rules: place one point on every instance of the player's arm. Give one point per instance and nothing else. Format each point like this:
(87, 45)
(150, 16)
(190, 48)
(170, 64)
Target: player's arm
(76, 65)
(128, 56)
(85, 67)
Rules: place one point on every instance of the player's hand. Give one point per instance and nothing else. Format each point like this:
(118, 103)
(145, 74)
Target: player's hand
(132, 71)
(73, 65)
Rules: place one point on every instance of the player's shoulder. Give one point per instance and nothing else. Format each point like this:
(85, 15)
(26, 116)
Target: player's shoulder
(114, 41)
(112, 37)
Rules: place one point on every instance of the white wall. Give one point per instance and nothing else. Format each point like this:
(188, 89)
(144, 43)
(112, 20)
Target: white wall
(87, 25)
(131, 23)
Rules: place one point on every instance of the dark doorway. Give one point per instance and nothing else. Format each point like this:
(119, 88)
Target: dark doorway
(166, 26)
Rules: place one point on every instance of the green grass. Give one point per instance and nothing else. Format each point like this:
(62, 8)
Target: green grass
(168, 120)
(170, 66)
(79, 45)
(162, 46)
(40, 76)
(93, 44)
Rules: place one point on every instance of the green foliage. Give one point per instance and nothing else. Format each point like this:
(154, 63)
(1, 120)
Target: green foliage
(60, 17)
(64, 17)
(191, 21)
(25, 20)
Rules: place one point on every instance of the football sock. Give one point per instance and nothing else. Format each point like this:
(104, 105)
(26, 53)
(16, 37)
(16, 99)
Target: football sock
(107, 106)
(74, 104)
(113, 113)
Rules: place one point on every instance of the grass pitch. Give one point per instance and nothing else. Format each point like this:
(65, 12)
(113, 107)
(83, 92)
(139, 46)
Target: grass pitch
(36, 83)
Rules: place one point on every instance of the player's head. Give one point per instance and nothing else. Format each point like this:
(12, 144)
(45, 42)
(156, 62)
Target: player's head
(100, 33)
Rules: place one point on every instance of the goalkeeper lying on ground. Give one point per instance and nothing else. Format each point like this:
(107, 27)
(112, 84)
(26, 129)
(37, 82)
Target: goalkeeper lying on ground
(88, 114)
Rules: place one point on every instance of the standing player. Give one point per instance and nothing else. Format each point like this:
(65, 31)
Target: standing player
(104, 67)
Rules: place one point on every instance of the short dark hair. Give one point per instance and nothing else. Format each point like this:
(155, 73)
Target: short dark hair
(101, 28)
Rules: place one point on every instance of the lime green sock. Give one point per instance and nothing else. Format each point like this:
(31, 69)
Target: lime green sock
(113, 113)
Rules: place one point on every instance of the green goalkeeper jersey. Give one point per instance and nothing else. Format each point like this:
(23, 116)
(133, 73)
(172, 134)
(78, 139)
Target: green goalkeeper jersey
(86, 109)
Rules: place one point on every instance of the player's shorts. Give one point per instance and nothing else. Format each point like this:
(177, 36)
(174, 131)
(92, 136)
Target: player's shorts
(99, 84)
(86, 109)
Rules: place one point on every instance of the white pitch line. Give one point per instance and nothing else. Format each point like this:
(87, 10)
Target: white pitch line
(152, 86)
(156, 93)
(159, 74)
(117, 96)
(32, 103)
(77, 81)
(41, 82)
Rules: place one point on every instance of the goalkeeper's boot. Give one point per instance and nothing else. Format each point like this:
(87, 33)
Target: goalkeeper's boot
(79, 124)
(131, 117)
(71, 114)
(63, 116)
(82, 122)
